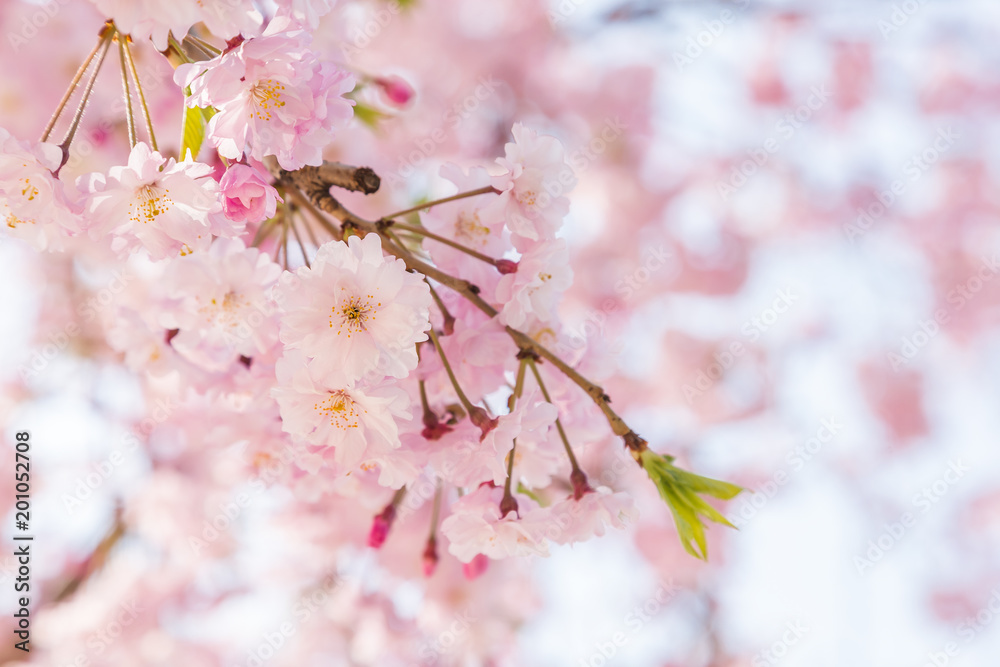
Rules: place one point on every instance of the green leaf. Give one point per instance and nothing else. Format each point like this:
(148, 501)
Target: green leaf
(713, 487)
(193, 122)
(689, 527)
(367, 114)
(521, 488)
(680, 489)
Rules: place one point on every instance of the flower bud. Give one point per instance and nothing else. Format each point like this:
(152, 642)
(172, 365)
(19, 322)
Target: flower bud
(475, 567)
(505, 266)
(396, 89)
(381, 525)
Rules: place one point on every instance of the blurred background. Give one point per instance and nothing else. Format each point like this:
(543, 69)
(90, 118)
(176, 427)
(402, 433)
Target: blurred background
(786, 236)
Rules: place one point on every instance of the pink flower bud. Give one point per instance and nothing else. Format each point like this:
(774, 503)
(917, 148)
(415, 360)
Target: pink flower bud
(434, 428)
(581, 486)
(482, 419)
(506, 266)
(507, 505)
(430, 557)
(380, 527)
(475, 567)
(247, 195)
(396, 89)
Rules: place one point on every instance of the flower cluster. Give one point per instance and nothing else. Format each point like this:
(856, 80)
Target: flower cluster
(272, 96)
(350, 324)
(396, 373)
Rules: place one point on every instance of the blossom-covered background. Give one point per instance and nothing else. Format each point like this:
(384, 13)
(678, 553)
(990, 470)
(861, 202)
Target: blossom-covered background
(786, 239)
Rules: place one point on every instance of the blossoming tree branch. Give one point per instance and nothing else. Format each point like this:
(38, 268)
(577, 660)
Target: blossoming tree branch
(372, 353)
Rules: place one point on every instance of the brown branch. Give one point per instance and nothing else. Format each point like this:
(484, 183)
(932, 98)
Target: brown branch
(319, 193)
(357, 179)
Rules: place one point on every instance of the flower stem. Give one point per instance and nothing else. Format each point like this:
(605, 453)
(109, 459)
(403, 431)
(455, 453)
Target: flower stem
(129, 116)
(203, 45)
(436, 509)
(446, 241)
(577, 476)
(448, 327)
(460, 195)
(142, 94)
(518, 385)
(103, 36)
(509, 503)
(262, 232)
(298, 239)
(320, 195)
(284, 240)
(177, 48)
(466, 403)
(301, 200)
(78, 116)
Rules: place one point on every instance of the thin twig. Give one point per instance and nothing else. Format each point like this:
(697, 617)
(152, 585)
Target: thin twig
(323, 200)
(71, 132)
(446, 241)
(298, 239)
(466, 403)
(301, 200)
(129, 117)
(102, 36)
(559, 426)
(142, 94)
(204, 46)
(460, 195)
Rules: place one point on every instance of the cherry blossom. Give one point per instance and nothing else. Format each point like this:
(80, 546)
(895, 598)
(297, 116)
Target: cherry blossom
(532, 293)
(222, 304)
(156, 19)
(476, 527)
(351, 422)
(355, 312)
(580, 520)
(34, 206)
(247, 195)
(164, 206)
(533, 186)
(272, 96)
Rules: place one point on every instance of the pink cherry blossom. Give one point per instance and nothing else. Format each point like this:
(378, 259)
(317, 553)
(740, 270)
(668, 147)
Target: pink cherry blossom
(475, 222)
(222, 304)
(533, 186)
(164, 206)
(272, 96)
(156, 19)
(248, 195)
(475, 527)
(573, 521)
(532, 293)
(307, 12)
(355, 312)
(34, 206)
(351, 422)
(396, 89)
